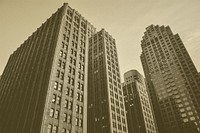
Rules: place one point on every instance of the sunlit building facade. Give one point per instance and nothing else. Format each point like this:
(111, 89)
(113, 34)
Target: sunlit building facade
(106, 111)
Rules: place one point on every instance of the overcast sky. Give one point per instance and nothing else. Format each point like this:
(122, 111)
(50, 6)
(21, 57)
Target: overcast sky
(125, 20)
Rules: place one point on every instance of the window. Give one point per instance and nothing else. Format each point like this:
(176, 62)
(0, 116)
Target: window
(72, 51)
(70, 69)
(63, 130)
(63, 65)
(83, 59)
(58, 73)
(64, 46)
(192, 118)
(55, 129)
(64, 55)
(82, 76)
(51, 112)
(81, 110)
(79, 75)
(72, 81)
(64, 37)
(188, 108)
(183, 115)
(71, 60)
(65, 117)
(119, 127)
(69, 119)
(49, 128)
(69, 80)
(56, 114)
(60, 87)
(80, 122)
(81, 97)
(55, 85)
(73, 71)
(66, 104)
(54, 98)
(182, 110)
(70, 105)
(114, 125)
(82, 67)
(59, 63)
(71, 93)
(77, 121)
(67, 39)
(58, 100)
(124, 128)
(79, 85)
(77, 96)
(82, 87)
(62, 75)
(67, 91)
(79, 65)
(77, 109)
(74, 61)
(190, 113)
(61, 53)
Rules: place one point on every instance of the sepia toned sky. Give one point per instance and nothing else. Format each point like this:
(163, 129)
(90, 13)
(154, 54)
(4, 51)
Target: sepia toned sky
(125, 20)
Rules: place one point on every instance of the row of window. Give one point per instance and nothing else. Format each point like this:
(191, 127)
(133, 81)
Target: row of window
(118, 118)
(61, 64)
(63, 54)
(58, 86)
(68, 104)
(60, 74)
(77, 18)
(54, 113)
(119, 126)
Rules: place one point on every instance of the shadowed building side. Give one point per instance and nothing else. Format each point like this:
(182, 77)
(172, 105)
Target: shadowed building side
(106, 110)
(140, 117)
(43, 86)
(172, 80)
(24, 82)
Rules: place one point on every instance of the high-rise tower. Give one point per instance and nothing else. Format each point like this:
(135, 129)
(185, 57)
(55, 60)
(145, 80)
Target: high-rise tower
(140, 116)
(106, 111)
(43, 88)
(173, 80)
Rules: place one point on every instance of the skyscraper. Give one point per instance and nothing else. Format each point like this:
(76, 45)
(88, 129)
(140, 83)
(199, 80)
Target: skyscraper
(140, 117)
(106, 111)
(43, 88)
(173, 80)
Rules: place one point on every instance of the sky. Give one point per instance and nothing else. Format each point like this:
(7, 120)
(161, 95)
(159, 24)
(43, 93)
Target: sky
(125, 20)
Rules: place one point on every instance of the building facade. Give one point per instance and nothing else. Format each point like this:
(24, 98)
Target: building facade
(106, 111)
(140, 116)
(43, 88)
(172, 79)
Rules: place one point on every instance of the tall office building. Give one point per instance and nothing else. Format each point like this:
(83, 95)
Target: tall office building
(43, 88)
(106, 111)
(173, 81)
(140, 117)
